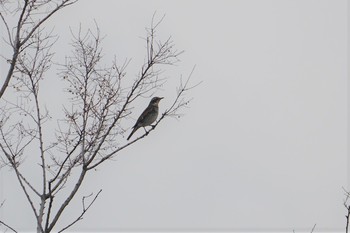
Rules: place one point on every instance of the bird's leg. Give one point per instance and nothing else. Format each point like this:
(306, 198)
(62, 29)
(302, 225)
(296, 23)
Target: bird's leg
(145, 130)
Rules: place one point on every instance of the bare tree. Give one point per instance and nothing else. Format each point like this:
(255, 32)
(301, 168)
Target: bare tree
(100, 100)
(347, 206)
(27, 16)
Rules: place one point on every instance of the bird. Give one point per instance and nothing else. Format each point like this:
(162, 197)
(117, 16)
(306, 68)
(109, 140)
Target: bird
(148, 116)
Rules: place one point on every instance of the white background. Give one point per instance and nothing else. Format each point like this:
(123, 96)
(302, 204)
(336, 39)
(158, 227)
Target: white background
(263, 145)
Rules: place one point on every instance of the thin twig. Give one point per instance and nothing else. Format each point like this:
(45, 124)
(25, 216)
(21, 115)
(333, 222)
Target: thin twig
(7, 226)
(85, 209)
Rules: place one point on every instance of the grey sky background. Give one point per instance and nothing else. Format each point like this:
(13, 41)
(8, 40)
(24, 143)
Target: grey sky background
(263, 145)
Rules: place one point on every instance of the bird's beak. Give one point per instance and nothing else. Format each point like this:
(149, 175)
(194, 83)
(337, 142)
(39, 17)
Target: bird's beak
(161, 97)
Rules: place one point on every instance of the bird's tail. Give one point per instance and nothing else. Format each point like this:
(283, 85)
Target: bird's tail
(132, 132)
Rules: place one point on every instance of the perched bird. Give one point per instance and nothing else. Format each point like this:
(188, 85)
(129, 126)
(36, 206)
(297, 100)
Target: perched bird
(148, 116)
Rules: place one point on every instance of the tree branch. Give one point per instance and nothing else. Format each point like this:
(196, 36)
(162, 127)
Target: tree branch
(7, 226)
(85, 209)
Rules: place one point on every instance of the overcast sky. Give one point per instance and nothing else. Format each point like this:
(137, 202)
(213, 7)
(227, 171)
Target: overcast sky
(263, 145)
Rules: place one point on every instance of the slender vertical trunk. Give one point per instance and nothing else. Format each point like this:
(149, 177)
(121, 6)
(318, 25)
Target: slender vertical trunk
(347, 221)
(41, 215)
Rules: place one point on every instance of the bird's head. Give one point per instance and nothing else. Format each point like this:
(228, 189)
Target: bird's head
(155, 100)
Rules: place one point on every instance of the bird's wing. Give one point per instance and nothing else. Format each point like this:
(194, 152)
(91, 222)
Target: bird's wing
(143, 115)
